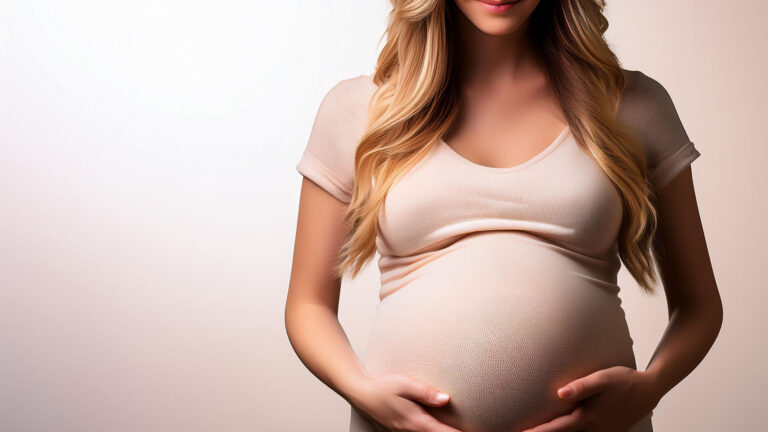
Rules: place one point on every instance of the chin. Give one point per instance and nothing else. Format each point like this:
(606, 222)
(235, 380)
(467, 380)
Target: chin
(497, 17)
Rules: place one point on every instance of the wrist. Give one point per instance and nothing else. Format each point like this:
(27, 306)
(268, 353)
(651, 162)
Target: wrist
(354, 389)
(656, 383)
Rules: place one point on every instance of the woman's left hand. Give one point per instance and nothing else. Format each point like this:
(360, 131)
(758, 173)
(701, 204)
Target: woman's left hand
(614, 399)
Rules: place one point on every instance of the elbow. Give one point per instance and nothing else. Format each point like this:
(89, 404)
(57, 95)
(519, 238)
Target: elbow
(719, 313)
(287, 316)
(712, 313)
(714, 310)
(290, 325)
(709, 312)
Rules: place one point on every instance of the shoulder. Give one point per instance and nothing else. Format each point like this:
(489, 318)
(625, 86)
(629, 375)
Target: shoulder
(360, 83)
(341, 120)
(647, 110)
(644, 99)
(343, 110)
(350, 95)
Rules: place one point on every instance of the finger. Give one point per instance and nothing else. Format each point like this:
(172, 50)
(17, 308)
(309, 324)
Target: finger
(413, 389)
(584, 387)
(568, 423)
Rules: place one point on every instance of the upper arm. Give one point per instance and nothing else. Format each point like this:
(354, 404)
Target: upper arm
(684, 265)
(684, 262)
(327, 167)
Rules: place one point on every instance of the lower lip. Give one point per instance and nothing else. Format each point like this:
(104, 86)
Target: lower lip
(499, 8)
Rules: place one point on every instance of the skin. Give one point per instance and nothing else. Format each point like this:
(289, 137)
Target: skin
(501, 80)
(312, 325)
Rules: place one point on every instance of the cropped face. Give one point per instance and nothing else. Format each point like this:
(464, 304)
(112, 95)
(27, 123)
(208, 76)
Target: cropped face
(497, 17)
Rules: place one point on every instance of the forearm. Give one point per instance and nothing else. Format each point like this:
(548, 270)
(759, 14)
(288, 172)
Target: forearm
(322, 345)
(687, 339)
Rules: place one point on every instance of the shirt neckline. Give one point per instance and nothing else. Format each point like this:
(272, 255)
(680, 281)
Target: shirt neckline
(536, 158)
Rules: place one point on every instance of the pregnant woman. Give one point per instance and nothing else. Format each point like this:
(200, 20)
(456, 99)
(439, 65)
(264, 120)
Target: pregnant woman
(503, 165)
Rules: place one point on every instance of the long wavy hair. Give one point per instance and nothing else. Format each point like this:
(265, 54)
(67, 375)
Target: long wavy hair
(417, 100)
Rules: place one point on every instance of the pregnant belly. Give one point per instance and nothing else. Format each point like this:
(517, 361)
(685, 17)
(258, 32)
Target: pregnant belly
(500, 322)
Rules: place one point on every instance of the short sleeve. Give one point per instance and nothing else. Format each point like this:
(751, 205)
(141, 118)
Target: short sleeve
(329, 155)
(647, 109)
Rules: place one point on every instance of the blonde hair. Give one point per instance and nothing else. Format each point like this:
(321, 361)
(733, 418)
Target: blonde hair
(417, 101)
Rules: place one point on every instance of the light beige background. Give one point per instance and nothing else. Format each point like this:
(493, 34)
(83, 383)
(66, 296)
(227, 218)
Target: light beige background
(148, 203)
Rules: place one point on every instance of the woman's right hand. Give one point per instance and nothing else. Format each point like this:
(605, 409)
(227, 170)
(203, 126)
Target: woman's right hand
(393, 403)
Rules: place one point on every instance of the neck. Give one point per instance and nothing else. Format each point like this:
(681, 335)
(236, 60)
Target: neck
(483, 58)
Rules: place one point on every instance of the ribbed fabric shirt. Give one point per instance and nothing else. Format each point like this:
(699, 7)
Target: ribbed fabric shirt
(498, 285)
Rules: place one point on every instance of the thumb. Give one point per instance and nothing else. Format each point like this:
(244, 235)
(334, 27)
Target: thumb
(423, 393)
(583, 387)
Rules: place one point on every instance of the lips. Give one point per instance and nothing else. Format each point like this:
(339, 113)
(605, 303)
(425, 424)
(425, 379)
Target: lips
(498, 6)
(499, 2)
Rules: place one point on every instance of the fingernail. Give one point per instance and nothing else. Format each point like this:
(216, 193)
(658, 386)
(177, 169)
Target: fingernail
(565, 392)
(441, 397)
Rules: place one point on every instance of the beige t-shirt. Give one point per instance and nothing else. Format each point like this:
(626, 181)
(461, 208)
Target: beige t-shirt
(446, 195)
(328, 157)
(498, 285)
